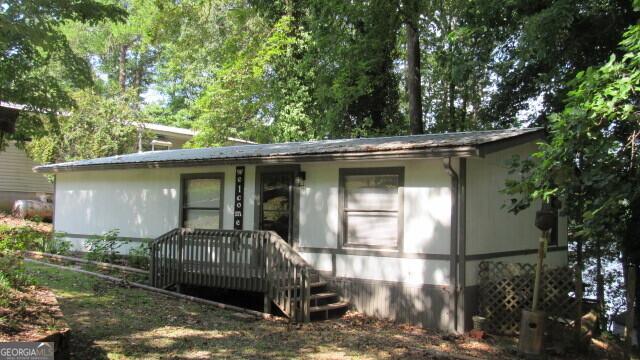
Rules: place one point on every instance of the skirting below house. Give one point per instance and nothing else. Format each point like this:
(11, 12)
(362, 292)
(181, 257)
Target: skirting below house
(424, 305)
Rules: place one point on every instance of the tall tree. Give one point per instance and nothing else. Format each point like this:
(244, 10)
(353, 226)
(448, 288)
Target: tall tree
(412, 26)
(591, 159)
(37, 65)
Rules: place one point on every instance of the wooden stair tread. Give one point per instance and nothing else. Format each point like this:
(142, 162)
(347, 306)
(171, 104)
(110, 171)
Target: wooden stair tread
(323, 295)
(332, 306)
(318, 283)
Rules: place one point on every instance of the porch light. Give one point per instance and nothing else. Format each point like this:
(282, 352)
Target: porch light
(300, 177)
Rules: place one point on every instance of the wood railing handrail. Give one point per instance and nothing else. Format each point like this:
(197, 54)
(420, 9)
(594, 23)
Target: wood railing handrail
(238, 259)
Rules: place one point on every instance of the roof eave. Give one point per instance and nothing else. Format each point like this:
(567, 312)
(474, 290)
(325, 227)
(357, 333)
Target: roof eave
(499, 145)
(463, 151)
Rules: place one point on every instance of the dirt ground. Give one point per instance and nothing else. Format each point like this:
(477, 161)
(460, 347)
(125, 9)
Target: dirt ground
(31, 314)
(7, 219)
(115, 322)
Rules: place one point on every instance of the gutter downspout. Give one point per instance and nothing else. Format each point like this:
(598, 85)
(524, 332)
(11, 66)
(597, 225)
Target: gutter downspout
(457, 250)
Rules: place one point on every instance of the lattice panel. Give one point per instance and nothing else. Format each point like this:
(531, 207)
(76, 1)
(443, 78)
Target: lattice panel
(507, 288)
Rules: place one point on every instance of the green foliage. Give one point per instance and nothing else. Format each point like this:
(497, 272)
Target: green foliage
(12, 276)
(139, 257)
(98, 127)
(37, 65)
(57, 244)
(104, 248)
(21, 238)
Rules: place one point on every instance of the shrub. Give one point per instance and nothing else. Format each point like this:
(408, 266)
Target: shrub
(21, 238)
(139, 256)
(57, 244)
(105, 247)
(12, 276)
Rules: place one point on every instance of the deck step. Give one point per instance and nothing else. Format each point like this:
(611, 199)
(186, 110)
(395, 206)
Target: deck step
(323, 295)
(318, 283)
(333, 306)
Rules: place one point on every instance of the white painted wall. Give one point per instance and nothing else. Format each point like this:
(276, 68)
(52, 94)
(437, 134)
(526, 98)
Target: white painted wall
(391, 269)
(141, 203)
(427, 204)
(490, 228)
(144, 203)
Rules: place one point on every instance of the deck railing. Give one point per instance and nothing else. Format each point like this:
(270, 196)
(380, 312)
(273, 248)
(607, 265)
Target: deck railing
(257, 261)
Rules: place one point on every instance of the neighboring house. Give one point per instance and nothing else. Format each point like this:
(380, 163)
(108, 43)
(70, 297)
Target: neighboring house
(17, 180)
(171, 137)
(397, 225)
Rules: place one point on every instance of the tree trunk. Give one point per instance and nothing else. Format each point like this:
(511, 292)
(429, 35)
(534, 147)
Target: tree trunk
(600, 287)
(137, 77)
(122, 67)
(579, 292)
(414, 90)
(630, 319)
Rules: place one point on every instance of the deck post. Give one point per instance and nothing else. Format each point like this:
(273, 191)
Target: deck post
(267, 303)
(152, 267)
(306, 288)
(180, 257)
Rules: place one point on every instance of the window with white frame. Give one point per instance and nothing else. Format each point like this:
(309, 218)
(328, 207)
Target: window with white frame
(371, 207)
(202, 196)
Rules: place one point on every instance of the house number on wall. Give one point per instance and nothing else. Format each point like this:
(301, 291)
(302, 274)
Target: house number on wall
(239, 203)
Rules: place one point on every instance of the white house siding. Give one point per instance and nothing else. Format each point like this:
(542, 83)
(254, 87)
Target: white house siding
(17, 179)
(140, 203)
(493, 233)
(491, 229)
(409, 285)
(427, 203)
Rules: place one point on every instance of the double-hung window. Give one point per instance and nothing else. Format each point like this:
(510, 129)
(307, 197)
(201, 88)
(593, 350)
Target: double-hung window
(202, 195)
(371, 207)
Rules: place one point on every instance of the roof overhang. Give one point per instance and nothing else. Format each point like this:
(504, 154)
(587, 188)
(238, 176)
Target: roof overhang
(460, 151)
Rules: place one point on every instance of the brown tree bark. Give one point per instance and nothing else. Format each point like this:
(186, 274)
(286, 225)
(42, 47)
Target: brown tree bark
(414, 90)
(122, 67)
(600, 287)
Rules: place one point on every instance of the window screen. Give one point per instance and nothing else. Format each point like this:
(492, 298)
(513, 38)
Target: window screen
(371, 207)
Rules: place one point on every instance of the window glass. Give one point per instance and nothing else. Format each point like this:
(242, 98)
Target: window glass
(201, 201)
(202, 193)
(201, 219)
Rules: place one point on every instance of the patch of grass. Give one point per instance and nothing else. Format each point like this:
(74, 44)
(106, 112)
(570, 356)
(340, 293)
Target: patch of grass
(110, 321)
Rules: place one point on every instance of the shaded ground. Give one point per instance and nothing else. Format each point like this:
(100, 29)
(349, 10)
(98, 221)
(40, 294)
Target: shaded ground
(109, 321)
(7, 219)
(29, 314)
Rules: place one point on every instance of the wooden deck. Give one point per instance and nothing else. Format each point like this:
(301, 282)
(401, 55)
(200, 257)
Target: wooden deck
(258, 261)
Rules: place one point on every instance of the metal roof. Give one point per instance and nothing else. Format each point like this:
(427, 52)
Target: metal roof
(461, 144)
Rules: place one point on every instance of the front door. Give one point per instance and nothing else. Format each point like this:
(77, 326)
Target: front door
(276, 202)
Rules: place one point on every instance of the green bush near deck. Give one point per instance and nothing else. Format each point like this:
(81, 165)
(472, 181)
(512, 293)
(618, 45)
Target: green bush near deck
(139, 257)
(27, 238)
(21, 238)
(12, 276)
(105, 247)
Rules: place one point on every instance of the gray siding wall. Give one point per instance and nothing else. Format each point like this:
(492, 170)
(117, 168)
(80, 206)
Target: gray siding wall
(17, 179)
(424, 305)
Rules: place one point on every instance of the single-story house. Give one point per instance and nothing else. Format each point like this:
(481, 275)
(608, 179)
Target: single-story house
(398, 225)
